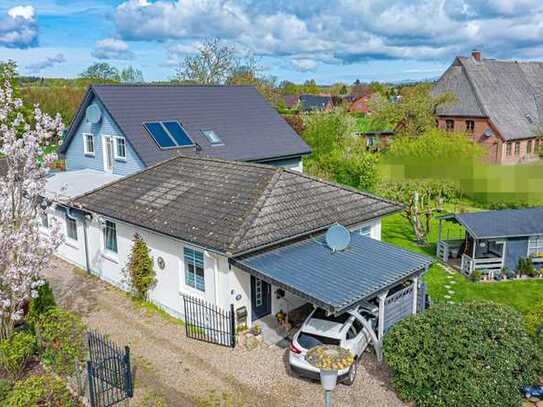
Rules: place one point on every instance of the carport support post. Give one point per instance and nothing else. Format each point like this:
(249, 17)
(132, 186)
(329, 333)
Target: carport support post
(381, 326)
(415, 293)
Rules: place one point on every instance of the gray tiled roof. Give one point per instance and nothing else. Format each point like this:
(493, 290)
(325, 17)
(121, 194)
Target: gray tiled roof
(335, 281)
(504, 223)
(229, 206)
(504, 91)
(249, 126)
(314, 102)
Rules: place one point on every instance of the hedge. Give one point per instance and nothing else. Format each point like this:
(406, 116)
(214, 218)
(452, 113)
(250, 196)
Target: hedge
(463, 355)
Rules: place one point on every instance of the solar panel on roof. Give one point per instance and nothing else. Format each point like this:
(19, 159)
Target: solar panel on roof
(178, 133)
(168, 134)
(157, 131)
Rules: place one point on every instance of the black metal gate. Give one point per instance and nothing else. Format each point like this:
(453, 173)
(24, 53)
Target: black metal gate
(207, 322)
(108, 371)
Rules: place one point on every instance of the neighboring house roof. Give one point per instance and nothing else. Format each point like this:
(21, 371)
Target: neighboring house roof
(250, 128)
(67, 185)
(339, 280)
(509, 93)
(360, 105)
(291, 100)
(504, 223)
(231, 207)
(315, 102)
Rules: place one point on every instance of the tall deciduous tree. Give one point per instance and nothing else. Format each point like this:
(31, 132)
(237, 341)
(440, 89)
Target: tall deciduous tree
(131, 75)
(101, 71)
(211, 65)
(24, 251)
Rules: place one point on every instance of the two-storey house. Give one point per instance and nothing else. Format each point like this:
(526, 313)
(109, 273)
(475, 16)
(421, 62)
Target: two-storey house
(121, 129)
(498, 102)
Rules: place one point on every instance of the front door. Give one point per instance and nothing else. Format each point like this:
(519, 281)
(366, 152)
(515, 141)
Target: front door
(260, 298)
(108, 154)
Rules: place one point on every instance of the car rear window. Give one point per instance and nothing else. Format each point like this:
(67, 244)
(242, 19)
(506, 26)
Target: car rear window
(309, 341)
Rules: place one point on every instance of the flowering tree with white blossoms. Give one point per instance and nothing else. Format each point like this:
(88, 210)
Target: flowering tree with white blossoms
(24, 251)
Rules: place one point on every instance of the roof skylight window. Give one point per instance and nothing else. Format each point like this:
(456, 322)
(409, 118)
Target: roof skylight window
(170, 134)
(212, 136)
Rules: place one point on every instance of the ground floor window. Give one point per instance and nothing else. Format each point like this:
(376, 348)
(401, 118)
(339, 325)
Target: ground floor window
(529, 147)
(535, 246)
(517, 148)
(110, 236)
(509, 149)
(194, 269)
(71, 228)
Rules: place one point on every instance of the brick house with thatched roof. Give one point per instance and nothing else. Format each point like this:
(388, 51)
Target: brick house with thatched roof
(498, 102)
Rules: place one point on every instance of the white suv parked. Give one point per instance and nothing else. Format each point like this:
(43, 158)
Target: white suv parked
(345, 330)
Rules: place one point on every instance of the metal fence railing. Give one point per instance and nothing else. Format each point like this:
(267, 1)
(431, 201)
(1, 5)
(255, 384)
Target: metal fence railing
(208, 322)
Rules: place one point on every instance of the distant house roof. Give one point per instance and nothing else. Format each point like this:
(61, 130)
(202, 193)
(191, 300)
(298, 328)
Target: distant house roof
(335, 281)
(504, 223)
(509, 93)
(315, 102)
(70, 184)
(231, 207)
(291, 100)
(360, 105)
(250, 128)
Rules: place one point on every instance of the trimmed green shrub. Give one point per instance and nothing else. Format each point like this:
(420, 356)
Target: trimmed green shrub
(5, 388)
(534, 318)
(463, 355)
(140, 269)
(475, 276)
(43, 302)
(16, 351)
(43, 390)
(61, 338)
(526, 267)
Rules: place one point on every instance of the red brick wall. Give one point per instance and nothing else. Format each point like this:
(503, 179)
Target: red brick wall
(492, 144)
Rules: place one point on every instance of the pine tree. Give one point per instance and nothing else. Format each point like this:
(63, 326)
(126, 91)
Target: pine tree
(140, 269)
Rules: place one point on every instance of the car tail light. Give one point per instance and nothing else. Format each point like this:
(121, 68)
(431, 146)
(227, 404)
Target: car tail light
(293, 348)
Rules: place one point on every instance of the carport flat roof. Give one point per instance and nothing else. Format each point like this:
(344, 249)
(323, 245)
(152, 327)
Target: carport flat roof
(336, 281)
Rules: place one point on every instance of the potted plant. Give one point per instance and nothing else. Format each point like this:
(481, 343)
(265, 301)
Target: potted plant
(257, 330)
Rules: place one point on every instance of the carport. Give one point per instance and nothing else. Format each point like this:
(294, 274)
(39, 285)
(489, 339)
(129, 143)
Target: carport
(338, 281)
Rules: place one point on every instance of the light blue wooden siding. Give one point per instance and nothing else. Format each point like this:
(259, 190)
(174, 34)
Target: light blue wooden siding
(515, 249)
(75, 155)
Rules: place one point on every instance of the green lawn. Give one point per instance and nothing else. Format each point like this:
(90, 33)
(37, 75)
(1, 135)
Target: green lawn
(521, 295)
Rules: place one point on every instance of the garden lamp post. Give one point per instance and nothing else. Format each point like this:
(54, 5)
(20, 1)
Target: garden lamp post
(329, 359)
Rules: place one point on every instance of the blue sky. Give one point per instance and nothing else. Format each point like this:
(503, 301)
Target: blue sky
(329, 40)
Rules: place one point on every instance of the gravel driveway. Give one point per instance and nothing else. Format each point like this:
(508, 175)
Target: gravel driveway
(173, 370)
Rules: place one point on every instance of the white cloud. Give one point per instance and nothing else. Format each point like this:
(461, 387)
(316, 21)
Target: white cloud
(19, 29)
(111, 48)
(304, 64)
(46, 63)
(26, 12)
(341, 31)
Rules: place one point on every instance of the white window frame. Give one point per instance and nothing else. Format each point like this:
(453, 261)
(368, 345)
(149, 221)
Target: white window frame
(105, 139)
(85, 150)
(535, 242)
(68, 237)
(116, 146)
(185, 271)
(105, 250)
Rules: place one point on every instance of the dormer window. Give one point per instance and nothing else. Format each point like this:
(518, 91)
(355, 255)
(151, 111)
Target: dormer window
(212, 137)
(88, 144)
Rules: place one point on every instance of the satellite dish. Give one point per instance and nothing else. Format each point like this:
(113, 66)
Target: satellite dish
(93, 113)
(338, 237)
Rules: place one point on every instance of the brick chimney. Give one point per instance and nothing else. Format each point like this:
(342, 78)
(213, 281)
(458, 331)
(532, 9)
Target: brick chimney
(476, 55)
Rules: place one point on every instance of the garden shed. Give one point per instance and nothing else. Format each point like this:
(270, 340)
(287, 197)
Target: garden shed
(492, 240)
